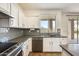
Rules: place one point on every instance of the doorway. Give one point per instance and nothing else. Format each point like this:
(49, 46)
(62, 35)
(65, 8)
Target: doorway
(75, 29)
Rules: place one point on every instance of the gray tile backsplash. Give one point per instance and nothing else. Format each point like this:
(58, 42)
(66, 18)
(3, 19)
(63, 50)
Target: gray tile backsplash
(31, 33)
(8, 34)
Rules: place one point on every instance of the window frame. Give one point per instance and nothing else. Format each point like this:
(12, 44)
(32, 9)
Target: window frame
(48, 25)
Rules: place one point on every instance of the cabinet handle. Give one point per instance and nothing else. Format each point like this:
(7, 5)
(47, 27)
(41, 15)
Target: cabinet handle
(51, 43)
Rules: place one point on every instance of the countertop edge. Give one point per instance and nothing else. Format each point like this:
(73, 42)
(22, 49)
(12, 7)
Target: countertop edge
(66, 50)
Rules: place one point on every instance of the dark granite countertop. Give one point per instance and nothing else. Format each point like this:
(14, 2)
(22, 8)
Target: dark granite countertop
(55, 37)
(72, 49)
(49, 36)
(20, 39)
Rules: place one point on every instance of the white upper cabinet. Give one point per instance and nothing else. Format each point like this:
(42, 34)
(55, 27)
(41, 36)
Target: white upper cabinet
(5, 7)
(13, 9)
(24, 24)
(21, 17)
(8, 7)
(32, 22)
(14, 13)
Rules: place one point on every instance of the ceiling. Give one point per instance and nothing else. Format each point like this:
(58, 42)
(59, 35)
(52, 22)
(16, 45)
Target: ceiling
(43, 6)
(50, 6)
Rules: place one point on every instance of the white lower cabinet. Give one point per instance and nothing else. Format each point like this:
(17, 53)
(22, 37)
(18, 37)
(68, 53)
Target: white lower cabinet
(51, 45)
(56, 45)
(26, 48)
(14, 13)
(46, 44)
(30, 44)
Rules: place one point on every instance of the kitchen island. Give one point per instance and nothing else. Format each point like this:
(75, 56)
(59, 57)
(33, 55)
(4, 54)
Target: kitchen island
(71, 49)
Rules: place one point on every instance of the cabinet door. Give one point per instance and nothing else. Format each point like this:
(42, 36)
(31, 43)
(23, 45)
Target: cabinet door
(46, 45)
(14, 13)
(5, 7)
(30, 44)
(64, 41)
(8, 7)
(23, 21)
(55, 46)
(35, 22)
(32, 22)
(51, 45)
(20, 18)
(26, 22)
(25, 48)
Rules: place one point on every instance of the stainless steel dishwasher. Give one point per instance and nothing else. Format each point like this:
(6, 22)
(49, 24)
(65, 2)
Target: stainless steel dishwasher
(37, 44)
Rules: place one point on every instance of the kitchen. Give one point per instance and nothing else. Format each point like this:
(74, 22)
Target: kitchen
(41, 29)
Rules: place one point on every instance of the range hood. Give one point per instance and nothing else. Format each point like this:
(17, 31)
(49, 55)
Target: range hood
(4, 15)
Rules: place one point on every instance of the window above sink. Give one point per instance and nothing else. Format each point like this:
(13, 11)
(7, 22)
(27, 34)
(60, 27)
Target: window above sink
(47, 25)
